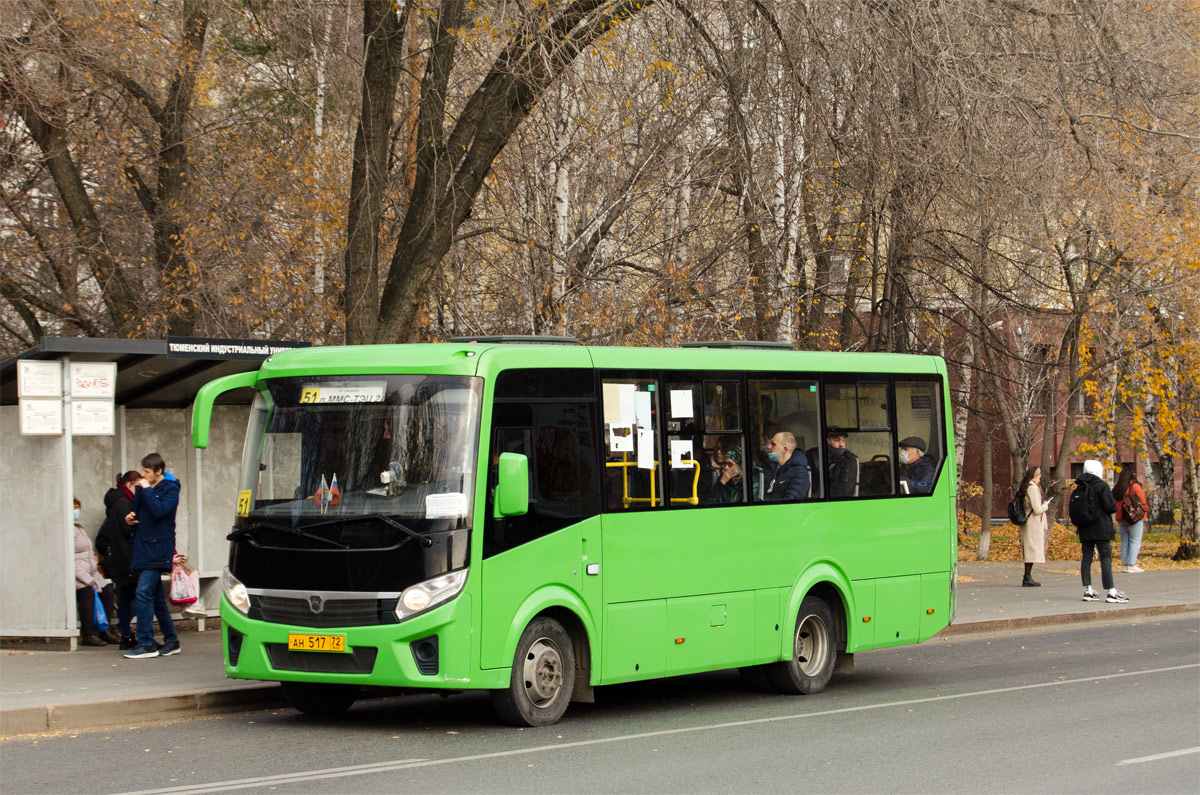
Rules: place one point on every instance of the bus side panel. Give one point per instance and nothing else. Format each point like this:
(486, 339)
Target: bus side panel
(935, 596)
(705, 633)
(862, 633)
(769, 604)
(512, 577)
(898, 611)
(635, 644)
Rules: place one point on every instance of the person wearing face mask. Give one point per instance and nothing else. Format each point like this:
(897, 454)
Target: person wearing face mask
(840, 464)
(88, 582)
(789, 478)
(728, 488)
(919, 468)
(114, 542)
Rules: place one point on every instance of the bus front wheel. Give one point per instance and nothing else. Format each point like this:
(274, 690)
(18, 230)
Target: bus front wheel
(320, 699)
(814, 651)
(543, 676)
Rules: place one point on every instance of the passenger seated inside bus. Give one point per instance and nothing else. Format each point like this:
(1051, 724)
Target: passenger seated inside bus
(788, 478)
(919, 467)
(728, 488)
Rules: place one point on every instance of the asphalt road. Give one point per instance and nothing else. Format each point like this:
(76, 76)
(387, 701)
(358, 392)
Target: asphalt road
(1085, 708)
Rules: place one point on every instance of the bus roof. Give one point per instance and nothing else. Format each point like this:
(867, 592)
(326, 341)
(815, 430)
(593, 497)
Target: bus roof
(471, 358)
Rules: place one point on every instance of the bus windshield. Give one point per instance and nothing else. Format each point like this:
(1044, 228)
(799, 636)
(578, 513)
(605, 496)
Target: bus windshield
(323, 451)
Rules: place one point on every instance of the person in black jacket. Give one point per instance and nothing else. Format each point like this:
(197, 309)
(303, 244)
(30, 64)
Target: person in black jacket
(789, 479)
(1097, 535)
(113, 542)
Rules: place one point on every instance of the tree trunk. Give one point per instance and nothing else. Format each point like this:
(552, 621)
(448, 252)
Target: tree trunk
(985, 514)
(1189, 530)
(383, 45)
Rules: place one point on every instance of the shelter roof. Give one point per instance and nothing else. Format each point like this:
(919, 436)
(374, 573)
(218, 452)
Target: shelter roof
(154, 374)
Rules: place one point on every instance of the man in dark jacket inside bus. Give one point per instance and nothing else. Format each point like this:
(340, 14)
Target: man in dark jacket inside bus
(789, 480)
(155, 498)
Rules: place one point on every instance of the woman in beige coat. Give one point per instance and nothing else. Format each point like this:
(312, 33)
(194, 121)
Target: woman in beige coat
(1033, 532)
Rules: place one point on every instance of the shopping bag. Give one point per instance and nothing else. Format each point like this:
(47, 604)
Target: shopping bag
(99, 616)
(185, 585)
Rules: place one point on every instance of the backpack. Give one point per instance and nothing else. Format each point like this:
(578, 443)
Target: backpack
(1083, 508)
(1016, 510)
(1131, 508)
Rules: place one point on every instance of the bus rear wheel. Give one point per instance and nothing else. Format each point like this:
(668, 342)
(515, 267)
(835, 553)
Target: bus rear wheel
(543, 676)
(814, 651)
(320, 699)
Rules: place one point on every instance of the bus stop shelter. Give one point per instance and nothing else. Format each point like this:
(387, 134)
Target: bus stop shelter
(155, 384)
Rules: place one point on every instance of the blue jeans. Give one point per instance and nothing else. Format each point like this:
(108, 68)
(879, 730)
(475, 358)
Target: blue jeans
(150, 603)
(1131, 542)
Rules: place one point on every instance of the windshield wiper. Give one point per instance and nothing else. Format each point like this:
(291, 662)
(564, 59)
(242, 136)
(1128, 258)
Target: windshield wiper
(296, 531)
(425, 540)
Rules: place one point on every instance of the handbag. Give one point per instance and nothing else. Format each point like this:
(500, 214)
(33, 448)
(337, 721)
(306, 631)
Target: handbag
(185, 585)
(99, 615)
(1131, 508)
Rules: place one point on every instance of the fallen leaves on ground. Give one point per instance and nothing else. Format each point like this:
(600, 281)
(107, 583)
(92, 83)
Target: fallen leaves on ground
(1157, 546)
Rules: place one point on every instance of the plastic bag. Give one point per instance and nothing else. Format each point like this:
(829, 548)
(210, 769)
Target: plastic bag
(99, 615)
(185, 585)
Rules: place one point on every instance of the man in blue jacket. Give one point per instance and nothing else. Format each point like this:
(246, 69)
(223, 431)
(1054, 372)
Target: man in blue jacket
(155, 498)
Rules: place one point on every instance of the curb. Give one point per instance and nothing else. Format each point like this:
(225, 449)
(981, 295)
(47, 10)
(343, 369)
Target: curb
(99, 714)
(1026, 622)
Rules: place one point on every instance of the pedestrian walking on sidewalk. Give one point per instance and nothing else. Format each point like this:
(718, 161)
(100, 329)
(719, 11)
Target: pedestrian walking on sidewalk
(1091, 508)
(114, 543)
(155, 498)
(1034, 530)
(1131, 514)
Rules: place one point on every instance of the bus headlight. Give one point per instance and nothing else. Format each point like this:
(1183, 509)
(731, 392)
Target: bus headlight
(235, 592)
(425, 595)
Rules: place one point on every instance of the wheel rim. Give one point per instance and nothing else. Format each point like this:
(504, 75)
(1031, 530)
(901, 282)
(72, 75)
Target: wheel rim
(812, 645)
(542, 672)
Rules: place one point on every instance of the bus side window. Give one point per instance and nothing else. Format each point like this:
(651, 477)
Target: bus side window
(919, 419)
(857, 409)
(783, 408)
(633, 461)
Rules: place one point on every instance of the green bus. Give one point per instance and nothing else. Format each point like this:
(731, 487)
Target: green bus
(535, 517)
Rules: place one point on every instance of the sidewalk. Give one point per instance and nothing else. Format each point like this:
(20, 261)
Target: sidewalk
(43, 687)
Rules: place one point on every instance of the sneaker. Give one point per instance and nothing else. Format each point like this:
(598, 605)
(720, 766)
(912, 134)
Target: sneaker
(1134, 569)
(167, 649)
(140, 652)
(1091, 596)
(1116, 597)
(128, 642)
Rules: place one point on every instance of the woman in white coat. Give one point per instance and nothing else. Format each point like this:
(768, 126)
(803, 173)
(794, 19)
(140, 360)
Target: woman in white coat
(1033, 532)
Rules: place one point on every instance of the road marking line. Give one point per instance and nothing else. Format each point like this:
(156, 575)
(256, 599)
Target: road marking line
(403, 764)
(1156, 757)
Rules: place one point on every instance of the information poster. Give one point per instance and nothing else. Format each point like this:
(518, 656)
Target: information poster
(39, 379)
(94, 380)
(41, 416)
(92, 418)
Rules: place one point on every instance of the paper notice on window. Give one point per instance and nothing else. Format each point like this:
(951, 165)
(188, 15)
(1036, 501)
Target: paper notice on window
(645, 445)
(446, 506)
(642, 412)
(620, 438)
(681, 404)
(627, 402)
(681, 453)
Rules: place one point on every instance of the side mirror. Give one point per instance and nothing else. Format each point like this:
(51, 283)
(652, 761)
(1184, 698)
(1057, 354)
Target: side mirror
(512, 486)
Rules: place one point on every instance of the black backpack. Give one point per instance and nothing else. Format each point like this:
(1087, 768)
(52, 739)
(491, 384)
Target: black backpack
(1084, 508)
(1016, 510)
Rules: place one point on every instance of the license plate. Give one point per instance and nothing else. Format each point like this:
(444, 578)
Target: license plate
(336, 643)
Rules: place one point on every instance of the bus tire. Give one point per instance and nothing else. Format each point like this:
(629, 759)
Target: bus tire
(814, 651)
(320, 699)
(543, 676)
